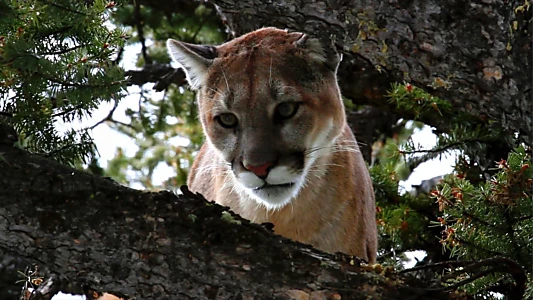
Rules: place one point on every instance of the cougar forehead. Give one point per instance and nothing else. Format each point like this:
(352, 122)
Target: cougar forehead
(254, 73)
(270, 50)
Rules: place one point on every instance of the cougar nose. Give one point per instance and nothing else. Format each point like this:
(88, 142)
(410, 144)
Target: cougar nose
(261, 171)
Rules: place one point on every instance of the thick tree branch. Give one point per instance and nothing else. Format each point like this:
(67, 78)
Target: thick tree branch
(98, 234)
(161, 75)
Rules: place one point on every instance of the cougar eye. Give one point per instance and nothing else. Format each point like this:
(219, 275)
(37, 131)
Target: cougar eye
(287, 110)
(227, 120)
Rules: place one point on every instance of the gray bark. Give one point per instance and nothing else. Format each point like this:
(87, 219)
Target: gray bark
(89, 233)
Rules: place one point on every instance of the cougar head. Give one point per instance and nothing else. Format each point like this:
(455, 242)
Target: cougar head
(269, 105)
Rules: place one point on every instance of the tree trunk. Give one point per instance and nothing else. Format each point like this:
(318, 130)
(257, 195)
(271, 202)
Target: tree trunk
(93, 233)
(474, 54)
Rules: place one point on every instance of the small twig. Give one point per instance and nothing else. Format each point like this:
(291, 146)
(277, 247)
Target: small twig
(109, 116)
(51, 153)
(496, 264)
(119, 56)
(479, 247)
(140, 31)
(202, 22)
(63, 51)
(58, 31)
(524, 218)
(386, 254)
(67, 111)
(447, 147)
(464, 281)
(121, 123)
(141, 97)
(443, 264)
(80, 85)
(64, 8)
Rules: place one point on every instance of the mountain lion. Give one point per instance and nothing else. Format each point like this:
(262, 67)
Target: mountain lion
(278, 148)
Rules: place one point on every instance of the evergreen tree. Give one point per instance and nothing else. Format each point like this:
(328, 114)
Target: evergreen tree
(57, 67)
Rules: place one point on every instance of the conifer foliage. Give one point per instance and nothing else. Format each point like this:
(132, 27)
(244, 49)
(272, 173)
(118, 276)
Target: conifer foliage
(57, 67)
(491, 218)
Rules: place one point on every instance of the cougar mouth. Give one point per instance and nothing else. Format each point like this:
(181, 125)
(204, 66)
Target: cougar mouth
(274, 196)
(267, 186)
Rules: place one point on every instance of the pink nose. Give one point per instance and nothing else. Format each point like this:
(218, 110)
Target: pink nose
(261, 171)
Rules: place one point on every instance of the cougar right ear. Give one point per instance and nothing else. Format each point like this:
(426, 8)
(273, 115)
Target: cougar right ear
(194, 59)
(320, 51)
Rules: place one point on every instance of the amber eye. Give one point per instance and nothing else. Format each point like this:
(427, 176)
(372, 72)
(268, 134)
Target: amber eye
(287, 110)
(227, 120)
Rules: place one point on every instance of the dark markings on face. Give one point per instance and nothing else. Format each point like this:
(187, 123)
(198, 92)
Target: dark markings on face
(274, 89)
(250, 71)
(301, 71)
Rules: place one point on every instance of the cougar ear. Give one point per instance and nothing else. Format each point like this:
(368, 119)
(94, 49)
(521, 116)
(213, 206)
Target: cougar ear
(318, 52)
(194, 59)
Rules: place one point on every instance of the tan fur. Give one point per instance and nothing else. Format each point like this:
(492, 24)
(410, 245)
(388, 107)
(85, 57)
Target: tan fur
(334, 210)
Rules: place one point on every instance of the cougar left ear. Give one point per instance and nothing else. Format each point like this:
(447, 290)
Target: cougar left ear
(194, 59)
(319, 53)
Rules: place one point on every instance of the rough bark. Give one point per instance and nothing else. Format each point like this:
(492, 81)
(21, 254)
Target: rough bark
(93, 233)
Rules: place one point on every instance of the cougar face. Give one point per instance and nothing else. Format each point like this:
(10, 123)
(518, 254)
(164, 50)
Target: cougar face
(259, 98)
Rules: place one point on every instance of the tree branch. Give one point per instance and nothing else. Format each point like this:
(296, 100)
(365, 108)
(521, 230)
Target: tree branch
(162, 75)
(98, 234)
